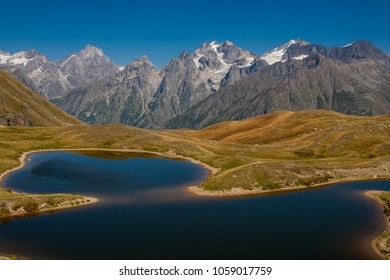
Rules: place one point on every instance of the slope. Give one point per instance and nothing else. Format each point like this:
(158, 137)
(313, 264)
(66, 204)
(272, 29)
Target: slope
(291, 150)
(19, 106)
(310, 133)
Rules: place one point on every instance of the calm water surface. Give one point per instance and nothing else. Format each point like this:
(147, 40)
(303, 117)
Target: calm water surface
(144, 213)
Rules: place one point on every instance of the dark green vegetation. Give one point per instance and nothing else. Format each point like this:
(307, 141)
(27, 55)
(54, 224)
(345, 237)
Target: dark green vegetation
(19, 106)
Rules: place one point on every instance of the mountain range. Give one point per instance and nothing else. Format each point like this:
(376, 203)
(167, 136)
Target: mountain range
(55, 79)
(217, 82)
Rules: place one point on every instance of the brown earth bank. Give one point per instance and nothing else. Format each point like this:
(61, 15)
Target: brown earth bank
(381, 245)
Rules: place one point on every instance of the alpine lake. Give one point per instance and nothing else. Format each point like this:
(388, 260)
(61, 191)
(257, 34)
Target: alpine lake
(144, 212)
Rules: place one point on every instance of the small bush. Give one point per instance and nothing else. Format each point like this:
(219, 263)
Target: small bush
(304, 154)
(4, 209)
(271, 186)
(16, 207)
(31, 206)
(13, 257)
(315, 180)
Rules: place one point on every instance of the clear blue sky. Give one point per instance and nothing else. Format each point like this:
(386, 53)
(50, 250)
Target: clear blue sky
(162, 29)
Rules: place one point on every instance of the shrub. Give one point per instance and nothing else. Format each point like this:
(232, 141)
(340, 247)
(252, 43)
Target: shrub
(315, 180)
(304, 154)
(4, 209)
(31, 206)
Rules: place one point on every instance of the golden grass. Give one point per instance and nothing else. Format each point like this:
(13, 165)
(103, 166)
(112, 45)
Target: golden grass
(14, 204)
(279, 150)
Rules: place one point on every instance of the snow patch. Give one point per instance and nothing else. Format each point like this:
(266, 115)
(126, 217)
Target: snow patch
(4, 58)
(300, 57)
(214, 77)
(18, 60)
(346, 46)
(276, 55)
(15, 59)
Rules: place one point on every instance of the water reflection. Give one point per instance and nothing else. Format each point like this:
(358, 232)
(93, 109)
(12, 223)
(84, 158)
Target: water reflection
(145, 213)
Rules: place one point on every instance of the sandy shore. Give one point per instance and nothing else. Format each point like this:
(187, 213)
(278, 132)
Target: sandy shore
(380, 242)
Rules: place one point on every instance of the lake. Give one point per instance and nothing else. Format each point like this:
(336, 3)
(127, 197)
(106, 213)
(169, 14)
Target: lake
(144, 212)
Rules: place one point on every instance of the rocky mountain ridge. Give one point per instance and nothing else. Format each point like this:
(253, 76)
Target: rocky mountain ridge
(55, 79)
(218, 81)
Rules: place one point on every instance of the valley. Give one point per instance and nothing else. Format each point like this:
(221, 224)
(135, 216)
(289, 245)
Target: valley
(299, 117)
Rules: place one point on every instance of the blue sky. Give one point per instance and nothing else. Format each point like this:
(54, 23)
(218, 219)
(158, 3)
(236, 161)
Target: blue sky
(126, 30)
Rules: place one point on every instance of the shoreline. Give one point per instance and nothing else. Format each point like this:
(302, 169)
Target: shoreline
(23, 157)
(79, 202)
(376, 243)
(196, 190)
(241, 192)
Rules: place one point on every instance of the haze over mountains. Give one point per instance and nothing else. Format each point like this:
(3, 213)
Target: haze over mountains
(218, 82)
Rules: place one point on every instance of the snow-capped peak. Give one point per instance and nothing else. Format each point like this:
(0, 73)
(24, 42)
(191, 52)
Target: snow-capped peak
(278, 53)
(215, 59)
(295, 42)
(19, 58)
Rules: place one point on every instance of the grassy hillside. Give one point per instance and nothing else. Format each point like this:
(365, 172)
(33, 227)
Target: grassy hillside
(272, 152)
(19, 106)
(312, 133)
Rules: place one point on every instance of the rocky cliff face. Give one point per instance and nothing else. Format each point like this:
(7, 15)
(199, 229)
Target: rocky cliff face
(123, 98)
(54, 79)
(144, 96)
(190, 78)
(352, 80)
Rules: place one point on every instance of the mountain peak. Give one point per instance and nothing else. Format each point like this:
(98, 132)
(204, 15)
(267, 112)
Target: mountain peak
(20, 58)
(279, 53)
(296, 42)
(139, 64)
(143, 60)
(228, 43)
(357, 50)
(91, 50)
